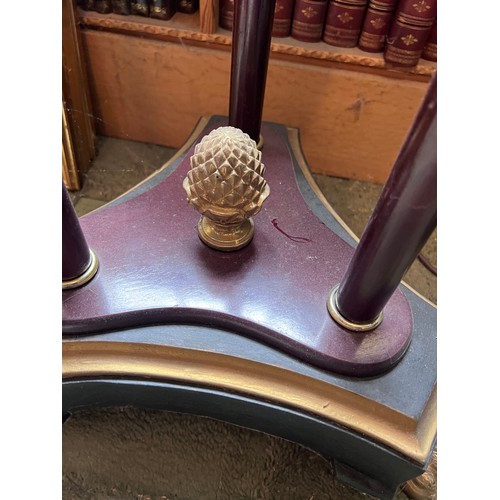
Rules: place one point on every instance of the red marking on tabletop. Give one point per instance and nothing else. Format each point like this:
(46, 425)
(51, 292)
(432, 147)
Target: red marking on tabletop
(298, 239)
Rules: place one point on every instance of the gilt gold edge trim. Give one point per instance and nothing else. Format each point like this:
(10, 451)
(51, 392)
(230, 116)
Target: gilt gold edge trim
(70, 173)
(427, 425)
(296, 147)
(382, 424)
(95, 20)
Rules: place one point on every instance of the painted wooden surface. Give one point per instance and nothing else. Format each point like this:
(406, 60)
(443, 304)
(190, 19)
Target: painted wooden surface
(352, 123)
(75, 251)
(383, 428)
(250, 291)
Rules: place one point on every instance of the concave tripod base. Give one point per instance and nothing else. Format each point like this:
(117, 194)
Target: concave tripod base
(154, 270)
(246, 336)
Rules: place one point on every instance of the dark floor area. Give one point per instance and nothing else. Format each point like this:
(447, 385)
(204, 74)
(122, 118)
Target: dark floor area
(144, 455)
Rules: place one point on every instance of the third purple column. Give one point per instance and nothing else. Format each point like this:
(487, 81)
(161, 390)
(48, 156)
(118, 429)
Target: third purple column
(402, 221)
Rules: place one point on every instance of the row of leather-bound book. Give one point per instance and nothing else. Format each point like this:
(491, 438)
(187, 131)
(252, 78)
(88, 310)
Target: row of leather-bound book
(403, 30)
(159, 9)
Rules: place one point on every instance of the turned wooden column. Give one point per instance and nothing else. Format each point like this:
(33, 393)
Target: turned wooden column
(252, 27)
(79, 263)
(402, 221)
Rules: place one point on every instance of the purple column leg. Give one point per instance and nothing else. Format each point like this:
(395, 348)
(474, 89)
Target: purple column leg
(402, 221)
(252, 27)
(79, 263)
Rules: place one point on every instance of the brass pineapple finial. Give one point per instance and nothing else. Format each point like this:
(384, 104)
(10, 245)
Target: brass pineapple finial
(226, 186)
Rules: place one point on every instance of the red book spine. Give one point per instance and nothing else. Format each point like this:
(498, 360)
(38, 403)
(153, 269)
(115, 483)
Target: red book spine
(376, 25)
(409, 31)
(344, 21)
(308, 20)
(226, 14)
(283, 15)
(430, 50)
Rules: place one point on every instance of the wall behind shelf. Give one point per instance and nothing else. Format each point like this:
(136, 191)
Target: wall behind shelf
(352, 122)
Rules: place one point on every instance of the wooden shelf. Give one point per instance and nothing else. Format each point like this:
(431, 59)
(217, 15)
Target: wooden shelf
(187, 28)
(151, 80)
(180, 25)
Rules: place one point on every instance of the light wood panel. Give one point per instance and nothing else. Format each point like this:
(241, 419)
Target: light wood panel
(352, 123)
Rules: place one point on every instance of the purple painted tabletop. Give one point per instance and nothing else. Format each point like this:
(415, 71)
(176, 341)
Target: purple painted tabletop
(154, 269)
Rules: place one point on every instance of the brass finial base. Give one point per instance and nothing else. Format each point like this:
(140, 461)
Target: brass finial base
(86, 276)
(225, 185)
(260, 144)
(225, 237)
(335, 313)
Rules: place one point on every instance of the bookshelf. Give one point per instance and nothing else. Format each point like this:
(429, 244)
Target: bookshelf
(151, 80)
(78, 132)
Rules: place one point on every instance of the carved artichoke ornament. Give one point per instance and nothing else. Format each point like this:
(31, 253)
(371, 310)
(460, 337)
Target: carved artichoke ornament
(226, 186)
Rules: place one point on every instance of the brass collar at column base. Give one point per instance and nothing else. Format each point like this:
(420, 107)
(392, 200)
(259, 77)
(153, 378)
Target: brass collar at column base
(335, 313)
(86, 276)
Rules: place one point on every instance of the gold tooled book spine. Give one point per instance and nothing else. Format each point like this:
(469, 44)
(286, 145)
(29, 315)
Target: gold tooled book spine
(376, 25)
(344, 20)
(283, 14)
(308, 20)
(226, 14)
(430, 50)
(410, 30)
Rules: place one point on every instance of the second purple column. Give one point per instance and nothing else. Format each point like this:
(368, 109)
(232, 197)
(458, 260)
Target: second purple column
(252, 27)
